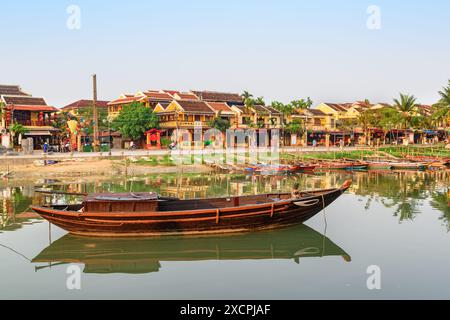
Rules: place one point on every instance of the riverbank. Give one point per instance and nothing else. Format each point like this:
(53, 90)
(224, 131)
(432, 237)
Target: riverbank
(91, 166)
(90, 169)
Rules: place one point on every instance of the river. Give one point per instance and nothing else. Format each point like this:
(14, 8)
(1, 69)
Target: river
(395, 222)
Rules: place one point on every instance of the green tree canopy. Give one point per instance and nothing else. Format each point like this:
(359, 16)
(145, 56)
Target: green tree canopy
(134, 120)
(220, 124)
(302, 103)
(407, 106)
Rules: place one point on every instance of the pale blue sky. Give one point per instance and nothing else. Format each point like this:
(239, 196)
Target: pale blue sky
(277, 49)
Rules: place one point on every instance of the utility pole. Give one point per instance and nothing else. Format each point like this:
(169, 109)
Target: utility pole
(95, 114)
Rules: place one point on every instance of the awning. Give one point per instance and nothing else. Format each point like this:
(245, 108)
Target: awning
(38, 133)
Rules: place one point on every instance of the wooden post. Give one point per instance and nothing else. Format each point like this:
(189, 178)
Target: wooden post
(95, 113)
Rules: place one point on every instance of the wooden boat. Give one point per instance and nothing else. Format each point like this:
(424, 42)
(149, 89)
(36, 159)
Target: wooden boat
(380, 165)
(125, 215)
(427, 159)
(408, 166)
(344, 165)
(144, 255)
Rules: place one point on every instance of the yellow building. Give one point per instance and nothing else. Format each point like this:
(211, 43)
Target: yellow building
(185, 118)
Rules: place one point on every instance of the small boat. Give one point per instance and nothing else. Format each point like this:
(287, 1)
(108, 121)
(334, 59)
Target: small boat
(428, 159)
(380, 165)
(147, 215)
(345, 165)
(408, 166)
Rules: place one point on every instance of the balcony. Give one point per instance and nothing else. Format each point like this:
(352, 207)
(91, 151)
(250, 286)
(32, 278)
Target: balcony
(184, 124)
(34, 123)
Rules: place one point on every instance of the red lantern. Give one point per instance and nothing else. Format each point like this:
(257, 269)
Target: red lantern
(8, 117)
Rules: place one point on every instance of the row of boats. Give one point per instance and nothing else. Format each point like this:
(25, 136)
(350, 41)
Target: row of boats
(411, 163)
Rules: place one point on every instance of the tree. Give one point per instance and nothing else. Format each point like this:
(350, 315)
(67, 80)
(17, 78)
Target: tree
(286, 111)
(16, 130)
(134, 120)
(302, 103)
(296, 126)
(407, 107)
(389, 119)
(2, 114)
(220, 124)
(86, 119)
(366, 119)
(260, 101)
(246, 95)
(442, 114)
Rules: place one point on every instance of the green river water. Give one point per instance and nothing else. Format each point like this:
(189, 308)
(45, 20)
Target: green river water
(397, 221)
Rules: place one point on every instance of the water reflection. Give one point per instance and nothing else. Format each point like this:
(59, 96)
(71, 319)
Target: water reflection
(402, 192)
(139, 256)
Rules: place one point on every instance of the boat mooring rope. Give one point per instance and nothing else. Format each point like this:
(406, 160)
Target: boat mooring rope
(326, 226)
(15, 251)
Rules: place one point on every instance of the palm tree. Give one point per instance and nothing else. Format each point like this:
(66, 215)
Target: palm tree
(286, 111)
(444, 105)
(246, 95)
(260, 101)
(407, 107)
(302, 103)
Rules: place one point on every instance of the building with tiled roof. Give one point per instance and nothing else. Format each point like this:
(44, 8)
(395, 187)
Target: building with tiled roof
(214, 96)
(32, 112)
(12, 90)
(185, 117)
(185, 96)
(77, 106)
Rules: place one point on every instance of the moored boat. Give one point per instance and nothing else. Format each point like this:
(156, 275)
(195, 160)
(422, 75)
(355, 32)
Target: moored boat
(146, 214)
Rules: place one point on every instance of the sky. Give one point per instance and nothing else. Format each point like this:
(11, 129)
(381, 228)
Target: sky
(331, 50)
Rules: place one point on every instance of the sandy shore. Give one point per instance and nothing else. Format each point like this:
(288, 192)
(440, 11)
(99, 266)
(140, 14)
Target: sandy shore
(90, 169)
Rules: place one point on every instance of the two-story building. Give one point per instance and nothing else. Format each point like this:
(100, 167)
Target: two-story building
(184, 119)
(31, 112)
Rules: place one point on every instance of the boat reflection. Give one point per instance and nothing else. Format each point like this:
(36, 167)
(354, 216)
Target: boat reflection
(140, 256)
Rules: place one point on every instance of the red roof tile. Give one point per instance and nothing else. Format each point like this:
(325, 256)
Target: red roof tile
(24, 100)
(192, 106)
(12, 90)
(185, 96)
(82, 104)
(158, 96)
(122, 101)
(35, 108)
(214, 96)
(220, 107)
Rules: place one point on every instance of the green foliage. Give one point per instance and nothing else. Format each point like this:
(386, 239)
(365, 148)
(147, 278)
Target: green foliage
(302, 103)
(407, 107)
(16, 130)
(220, 124)
(296, 127)
(134, 120)
(86, 119)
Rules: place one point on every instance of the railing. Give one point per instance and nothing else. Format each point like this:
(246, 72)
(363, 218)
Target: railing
(34, 123)
(184, 124)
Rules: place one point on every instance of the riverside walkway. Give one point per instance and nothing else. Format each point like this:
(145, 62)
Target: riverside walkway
(39, 155)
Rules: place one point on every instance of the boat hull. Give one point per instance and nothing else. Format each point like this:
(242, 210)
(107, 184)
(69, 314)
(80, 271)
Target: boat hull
(237, 219)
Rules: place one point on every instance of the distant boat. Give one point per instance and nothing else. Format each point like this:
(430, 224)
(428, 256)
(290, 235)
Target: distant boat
(143, 255)
(147, 215)
(408, 166)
